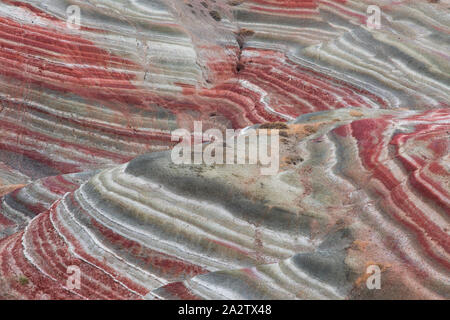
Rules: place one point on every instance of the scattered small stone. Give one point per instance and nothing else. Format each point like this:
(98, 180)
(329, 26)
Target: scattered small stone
(246, 32)
(23, 280)
(215, 15)
(235, 2)
(273, 125)
(310, 129)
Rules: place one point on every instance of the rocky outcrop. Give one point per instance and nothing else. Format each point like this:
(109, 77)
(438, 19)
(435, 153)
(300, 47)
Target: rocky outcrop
(87, 179)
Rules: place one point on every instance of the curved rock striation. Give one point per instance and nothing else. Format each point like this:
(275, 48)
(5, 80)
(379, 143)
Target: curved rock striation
(345, 198)
(18, 207)
(76, 99)
(87, 181)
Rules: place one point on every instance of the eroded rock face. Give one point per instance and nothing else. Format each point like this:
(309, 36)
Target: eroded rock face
(87, 178)
(345, 198)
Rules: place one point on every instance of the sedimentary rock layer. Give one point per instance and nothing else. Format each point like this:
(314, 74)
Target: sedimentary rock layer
(18, 207)
(345, 197)
(87, 179)
(74, 100)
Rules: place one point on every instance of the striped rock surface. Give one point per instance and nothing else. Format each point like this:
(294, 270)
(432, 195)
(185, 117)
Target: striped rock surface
(86, 178)
(75, 99)
(345, 198)
(18, 207)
